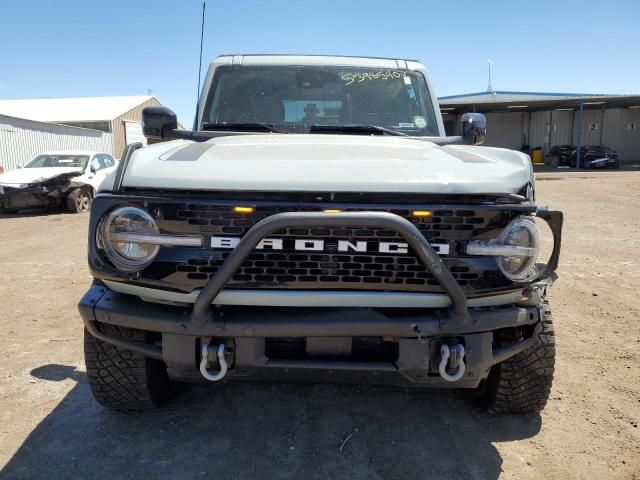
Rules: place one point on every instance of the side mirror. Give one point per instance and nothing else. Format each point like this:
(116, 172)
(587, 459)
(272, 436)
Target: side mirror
(473, 127)
(95, 165)
(157, 122)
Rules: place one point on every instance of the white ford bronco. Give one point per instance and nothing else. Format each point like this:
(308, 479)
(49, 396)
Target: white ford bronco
(317, 224)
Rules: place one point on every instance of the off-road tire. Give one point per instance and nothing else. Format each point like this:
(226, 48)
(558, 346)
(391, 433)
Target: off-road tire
(79, 200)
(522, 383)
(123, 380)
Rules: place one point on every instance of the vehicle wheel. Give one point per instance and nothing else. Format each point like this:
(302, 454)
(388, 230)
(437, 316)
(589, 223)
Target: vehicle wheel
(79, 200)
(522, 384)
(123, 380)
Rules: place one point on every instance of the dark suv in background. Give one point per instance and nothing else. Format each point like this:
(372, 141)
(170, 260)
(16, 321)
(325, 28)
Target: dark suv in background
(595, 156)
(591, 156)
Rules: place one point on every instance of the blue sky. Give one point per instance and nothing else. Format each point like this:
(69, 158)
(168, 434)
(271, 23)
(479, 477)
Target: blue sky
(67, 48)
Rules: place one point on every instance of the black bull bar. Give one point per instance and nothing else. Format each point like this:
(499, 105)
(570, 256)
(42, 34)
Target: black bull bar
(424, 251)
(201, 319)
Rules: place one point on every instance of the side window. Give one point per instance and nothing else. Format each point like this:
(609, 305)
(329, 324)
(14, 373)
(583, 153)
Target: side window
(96, 163)
(104, 160)
(108, 161)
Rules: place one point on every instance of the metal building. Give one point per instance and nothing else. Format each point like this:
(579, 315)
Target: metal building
(120, 117)
(542, 120)
(21, 140)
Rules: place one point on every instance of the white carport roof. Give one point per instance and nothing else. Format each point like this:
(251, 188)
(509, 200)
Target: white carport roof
(507, 97)
(60, 110)
(531, 101)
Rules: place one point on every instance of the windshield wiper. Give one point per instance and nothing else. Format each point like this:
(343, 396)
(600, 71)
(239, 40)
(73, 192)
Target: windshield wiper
(358, 129)
(243, 127)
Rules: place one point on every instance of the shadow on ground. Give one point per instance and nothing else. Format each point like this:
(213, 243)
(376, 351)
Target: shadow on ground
(34, 212)
(248, 430)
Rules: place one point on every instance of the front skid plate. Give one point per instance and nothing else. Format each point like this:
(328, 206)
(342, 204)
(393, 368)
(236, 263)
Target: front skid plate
(413, 366)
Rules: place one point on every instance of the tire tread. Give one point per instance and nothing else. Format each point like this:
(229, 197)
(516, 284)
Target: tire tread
(121, 379)
(522, 384)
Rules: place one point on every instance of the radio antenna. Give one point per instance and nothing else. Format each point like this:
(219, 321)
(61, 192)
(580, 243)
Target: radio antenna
(199, 67)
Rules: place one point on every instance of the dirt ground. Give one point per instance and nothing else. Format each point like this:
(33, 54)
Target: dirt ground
(50, 426)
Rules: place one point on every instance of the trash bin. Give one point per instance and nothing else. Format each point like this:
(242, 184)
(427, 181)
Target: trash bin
(536, 156)
(554, 161)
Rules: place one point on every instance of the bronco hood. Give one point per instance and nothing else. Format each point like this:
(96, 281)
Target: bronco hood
(327, 163)
(26, 176)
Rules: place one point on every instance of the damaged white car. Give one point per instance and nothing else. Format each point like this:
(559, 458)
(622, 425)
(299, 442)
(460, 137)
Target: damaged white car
(55, 179)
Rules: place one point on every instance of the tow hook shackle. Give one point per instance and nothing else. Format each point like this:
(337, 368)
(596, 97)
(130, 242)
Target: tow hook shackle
(453, 357)
(213, 377)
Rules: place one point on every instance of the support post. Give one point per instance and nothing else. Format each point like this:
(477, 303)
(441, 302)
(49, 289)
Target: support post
(580, 127)
(550, 137)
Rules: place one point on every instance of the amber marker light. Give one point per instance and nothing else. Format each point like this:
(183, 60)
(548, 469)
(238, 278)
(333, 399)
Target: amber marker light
(421, 213)
(243, 209)
(332, 210)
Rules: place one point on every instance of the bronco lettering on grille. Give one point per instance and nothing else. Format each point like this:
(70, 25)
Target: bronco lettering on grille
(319, 245)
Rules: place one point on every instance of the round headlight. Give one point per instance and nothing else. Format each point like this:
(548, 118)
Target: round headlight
(522, 232)
(125, 254)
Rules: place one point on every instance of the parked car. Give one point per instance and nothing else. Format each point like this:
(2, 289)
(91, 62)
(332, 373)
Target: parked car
(595, 156)
(559, 155)
(54, 179)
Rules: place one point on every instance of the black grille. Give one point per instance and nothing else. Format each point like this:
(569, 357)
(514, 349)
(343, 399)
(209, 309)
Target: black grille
(332, 271)
(442, 225)
(187, 268)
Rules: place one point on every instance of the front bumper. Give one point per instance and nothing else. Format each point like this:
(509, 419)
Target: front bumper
(419, 334)
(14, 198)
(603, 162)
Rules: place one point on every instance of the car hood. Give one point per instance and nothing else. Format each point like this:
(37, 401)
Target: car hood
(327, 163)
(25, 176)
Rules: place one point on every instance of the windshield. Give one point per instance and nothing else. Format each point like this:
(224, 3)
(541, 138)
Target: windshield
(295, 98)
(77, 161)
(597, 149)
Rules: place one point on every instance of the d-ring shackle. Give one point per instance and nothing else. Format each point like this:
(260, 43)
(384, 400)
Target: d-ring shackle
(213, 377)
(446, 353)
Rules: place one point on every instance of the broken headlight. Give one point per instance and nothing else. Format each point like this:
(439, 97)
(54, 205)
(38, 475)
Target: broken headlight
(516, 250)
(121, 234)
